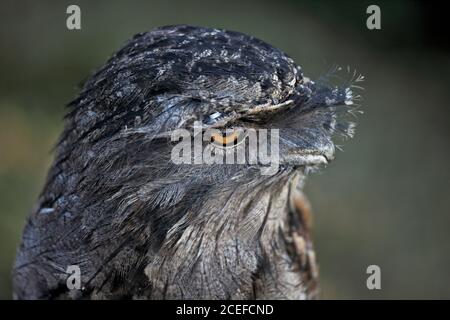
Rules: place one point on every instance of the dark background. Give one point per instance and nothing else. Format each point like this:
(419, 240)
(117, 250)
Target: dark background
(384, 200)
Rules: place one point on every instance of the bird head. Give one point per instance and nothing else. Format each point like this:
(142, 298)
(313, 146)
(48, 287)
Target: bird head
(180, 77)
(118, 143)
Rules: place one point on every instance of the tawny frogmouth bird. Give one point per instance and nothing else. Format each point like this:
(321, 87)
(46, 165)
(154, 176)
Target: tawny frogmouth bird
(140, 226)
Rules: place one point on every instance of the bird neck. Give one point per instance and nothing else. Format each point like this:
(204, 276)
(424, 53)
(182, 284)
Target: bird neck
(227, 237)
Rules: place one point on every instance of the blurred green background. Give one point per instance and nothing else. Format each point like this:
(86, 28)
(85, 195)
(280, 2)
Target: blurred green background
(384, 200)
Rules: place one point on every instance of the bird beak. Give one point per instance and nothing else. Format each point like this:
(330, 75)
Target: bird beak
(303, 160)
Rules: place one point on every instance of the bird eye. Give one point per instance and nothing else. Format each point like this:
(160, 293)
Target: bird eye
(229, 138)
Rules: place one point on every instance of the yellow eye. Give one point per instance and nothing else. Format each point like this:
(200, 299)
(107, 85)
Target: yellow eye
(228, 139)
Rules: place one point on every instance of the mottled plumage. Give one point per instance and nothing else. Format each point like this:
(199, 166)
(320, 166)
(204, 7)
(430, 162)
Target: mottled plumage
(140, 226)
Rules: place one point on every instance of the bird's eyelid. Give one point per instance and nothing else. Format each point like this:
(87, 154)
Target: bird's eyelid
(215, 115)
(269, 107)
(220, 119)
